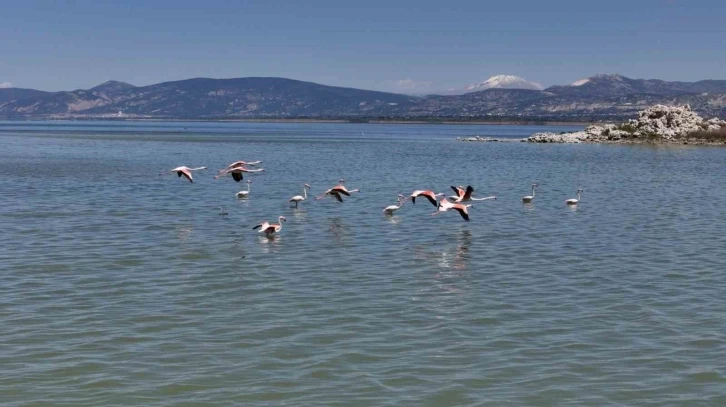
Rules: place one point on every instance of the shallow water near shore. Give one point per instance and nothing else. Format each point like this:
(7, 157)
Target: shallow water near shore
(122, 287)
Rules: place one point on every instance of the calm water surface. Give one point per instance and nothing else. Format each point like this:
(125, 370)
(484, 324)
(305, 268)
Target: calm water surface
(121, 287)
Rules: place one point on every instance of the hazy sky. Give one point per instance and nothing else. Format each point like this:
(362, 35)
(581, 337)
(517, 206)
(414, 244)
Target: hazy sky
(416, 45)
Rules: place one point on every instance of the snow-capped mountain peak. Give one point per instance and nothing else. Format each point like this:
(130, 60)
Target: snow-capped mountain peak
(498, 82)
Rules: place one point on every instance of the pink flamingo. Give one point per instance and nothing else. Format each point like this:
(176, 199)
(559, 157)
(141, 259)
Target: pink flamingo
(388, 210)
(269, 229)
(430, 195)
(445, 205)
(337, 191)
(237, 172)
(186, 172)
(299, 198)
(239, 164)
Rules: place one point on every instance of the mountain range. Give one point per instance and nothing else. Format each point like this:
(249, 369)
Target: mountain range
(600, 97)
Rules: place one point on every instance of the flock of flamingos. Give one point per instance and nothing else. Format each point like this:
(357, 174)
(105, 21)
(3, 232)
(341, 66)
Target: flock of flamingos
(456, 202)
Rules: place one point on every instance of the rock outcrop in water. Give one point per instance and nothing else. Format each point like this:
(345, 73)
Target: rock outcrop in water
(657, 123)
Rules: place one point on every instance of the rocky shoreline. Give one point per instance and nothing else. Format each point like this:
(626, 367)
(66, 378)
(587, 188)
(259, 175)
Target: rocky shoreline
(658, 124)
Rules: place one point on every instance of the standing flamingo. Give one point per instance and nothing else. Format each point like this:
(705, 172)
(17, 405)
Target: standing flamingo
(388, 210)
(269, 229)
(337, 191)
(575, 201)
(299, 198)
(445, 205)
(465, 195)
(186, 172)
(244, 194)
(237, 172)
(428, 194)
(529, 198)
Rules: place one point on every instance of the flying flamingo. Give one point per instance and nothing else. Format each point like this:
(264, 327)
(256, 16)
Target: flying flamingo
(430, 195)
(575, 201)
(237, 172)
(388, 210)
(239, 164)
(529, 198)
(244, 163)
(464, 195)
(269, 229)
(244, 194)
(186, 172)
(445, 205)
(337, 191)
(299, 198)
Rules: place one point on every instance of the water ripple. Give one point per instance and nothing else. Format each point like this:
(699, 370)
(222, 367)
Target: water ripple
(135, 291)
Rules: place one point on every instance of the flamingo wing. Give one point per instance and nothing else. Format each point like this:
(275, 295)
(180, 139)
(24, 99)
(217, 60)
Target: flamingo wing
(431, 199)
(186, 174)
(458, 191)
(462, 211)
(262, 226)
(237, 176)
(341, 190)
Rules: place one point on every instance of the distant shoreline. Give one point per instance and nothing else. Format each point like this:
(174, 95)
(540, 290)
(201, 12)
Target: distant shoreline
(332, 121)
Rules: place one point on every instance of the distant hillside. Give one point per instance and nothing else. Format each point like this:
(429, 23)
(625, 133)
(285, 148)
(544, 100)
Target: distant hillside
(601, 97)
(11, 94)
(618, 85)
(213, 98)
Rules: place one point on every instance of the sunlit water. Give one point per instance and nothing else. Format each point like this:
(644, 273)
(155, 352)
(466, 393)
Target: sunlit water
(122, 287)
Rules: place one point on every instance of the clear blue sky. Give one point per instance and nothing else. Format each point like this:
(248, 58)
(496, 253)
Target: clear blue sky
(388, 45)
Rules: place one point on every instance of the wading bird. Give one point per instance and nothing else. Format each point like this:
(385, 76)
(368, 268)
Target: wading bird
(269, 229)
(430, 195)
(444, 205)
(574, 201)
(237, 172)
(186, 172)
(464, 195)
(240, 164)
(530, 198)
(337, 191)
(244, 194)
(299, 198)
(388, 210)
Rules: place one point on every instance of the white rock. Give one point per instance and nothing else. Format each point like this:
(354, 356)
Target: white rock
(666, 122)
(618, 134)
(575, 137)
